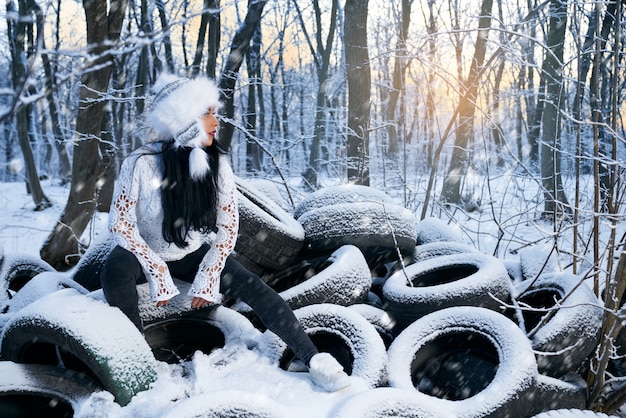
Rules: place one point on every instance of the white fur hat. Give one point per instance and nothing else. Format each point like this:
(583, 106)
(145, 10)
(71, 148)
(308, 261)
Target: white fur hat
(176, 108)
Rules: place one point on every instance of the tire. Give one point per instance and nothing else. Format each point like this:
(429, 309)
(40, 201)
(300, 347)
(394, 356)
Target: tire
(382, 322)
(454, 280)
(611, 398)
(551, 393)
(227, 404)
(441, 248)
(89, 268)
(176, 339)
(268, 235)
(430, 230)
(345, 334)
(514, 267)
(534, 263)
(343, 278)
(16, 270)
(40, 286)
(566, 340)
(37, 390)
(373, 228)
(333, 195)
(386, 402)
(571, 413)
(275, 191)
(468, 360)
(176, 331)
(91, 337)
(251, 265)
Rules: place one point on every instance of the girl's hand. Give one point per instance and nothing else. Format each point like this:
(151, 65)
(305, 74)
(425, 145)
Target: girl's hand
(162, 303)
(199, 303)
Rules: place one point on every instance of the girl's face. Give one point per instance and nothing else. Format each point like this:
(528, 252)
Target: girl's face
(210, 123)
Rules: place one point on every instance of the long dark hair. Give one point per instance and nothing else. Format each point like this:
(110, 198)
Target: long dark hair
(188, 203)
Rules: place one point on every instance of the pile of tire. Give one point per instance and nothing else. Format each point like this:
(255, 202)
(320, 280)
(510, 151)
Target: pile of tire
(429, 324)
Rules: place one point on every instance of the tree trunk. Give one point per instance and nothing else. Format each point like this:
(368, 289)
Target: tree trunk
(228, 79)
(253, 150)
(399, 69)
(62, 248)
(600, 99)
(215, 30)
(451, 192)
(204, 22)
(17, 35)
(65, 168)
(534, 102)
(359, 85)
(167, 42)
(430, 94)
(555, 201)
(321, 56)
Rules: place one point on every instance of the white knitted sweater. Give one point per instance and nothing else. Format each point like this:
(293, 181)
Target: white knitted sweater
(136, 216)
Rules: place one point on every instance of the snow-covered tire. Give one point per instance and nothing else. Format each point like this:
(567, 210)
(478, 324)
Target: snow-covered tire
(468, 360)
(384, 324)
(372, 227)
(15, 271)
(537, 260)
(571, 413)
(565, 340)
(454, 280)
(441, 248)
(91, 336)
(346, 193)
(251, 265)
(343, 278)
(551, 393)
(40, 286)
(227, 404)
(38, 390)
(89, 268)
(514, 267)
(277, 193)
(345, 334)
(430, 230)
(387, 402)
(611, 398)
(268, 235)
(177, 338)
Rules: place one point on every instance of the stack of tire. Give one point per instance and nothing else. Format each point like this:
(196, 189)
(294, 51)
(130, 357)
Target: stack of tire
(432, 326)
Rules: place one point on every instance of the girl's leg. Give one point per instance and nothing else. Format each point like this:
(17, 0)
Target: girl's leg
(239, 283)
(120, 275)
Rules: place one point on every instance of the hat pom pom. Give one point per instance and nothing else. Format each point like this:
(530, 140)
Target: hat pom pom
(198, 164)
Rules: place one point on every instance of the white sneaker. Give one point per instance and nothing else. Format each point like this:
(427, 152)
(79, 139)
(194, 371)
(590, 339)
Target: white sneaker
(327, 373)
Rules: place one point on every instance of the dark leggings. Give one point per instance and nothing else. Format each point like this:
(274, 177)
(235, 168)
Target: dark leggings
(122, 272)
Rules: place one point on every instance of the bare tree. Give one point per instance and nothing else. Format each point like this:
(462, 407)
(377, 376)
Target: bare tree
(451, 191)
(321, 57)
(359, 85)
(17, 31)
(228, 79)
(254, 118)
(167, 42)
(555, 202)
(399, 70)
(104, 23)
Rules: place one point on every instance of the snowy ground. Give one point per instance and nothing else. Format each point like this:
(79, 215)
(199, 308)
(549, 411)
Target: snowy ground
(235, 373)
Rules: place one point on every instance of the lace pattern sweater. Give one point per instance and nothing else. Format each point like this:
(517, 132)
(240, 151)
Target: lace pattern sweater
(136, 216)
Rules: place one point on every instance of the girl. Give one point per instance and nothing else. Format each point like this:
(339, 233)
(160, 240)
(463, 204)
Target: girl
(174, 214)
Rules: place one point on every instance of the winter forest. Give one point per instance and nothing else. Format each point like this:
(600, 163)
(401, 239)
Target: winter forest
(498, 117)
